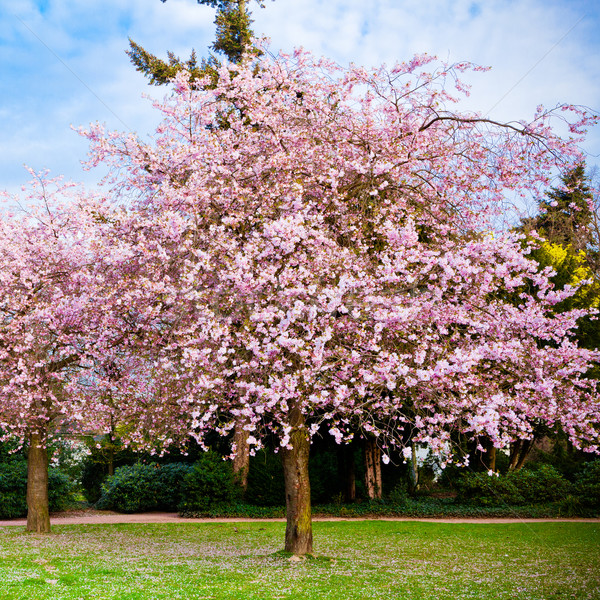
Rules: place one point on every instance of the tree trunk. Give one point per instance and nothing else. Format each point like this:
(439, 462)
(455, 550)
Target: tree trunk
(519, 452)
(372, 469)
(414, 469)
(38, 517)
(525, 450)
(241, 461)
(492, 464)
(111, 459)
(515, 448)
(298, 533)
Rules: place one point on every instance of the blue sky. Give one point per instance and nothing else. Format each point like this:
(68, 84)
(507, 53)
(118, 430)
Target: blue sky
(63, 62)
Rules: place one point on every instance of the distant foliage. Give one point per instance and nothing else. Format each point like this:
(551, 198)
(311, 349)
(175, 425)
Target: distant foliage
(485, 490)
(539, 486)
(265, 480)
(545, 484)
(209, 483)
(143, 487)
(266, 485)
(13, 487)
(61, 490)
(587, 484)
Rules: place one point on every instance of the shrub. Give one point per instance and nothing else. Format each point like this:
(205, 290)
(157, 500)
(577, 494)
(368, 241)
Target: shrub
(61, 490)
(544, 484)
(539, 486)
(169, 484)
(142, 487)
(209, 483)
(486, 490)
(570, 506)
(587, 484)
(97, 463)
(13, 489)
(399, 495)
(130, 489)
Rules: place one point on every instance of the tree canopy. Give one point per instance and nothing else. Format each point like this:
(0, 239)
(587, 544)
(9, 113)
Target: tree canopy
(310, 248)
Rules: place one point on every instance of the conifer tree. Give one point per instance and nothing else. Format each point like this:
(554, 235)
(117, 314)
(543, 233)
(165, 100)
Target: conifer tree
(233, 38)
(565, 214)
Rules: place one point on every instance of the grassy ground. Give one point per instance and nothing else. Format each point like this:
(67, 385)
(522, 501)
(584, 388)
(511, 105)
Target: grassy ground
(355, 560)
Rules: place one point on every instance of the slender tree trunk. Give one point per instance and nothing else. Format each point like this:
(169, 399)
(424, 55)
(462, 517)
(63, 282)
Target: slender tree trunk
(519, 451)
(372, 469)
(525, 450)
(241, 461)
(492, 452)
(111, 447)
(111, 459)
(414, 468)
(298, 533)
(515, 449)
(38, 517)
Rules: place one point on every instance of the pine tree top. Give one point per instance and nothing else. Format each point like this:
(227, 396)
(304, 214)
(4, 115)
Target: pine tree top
(233, 39)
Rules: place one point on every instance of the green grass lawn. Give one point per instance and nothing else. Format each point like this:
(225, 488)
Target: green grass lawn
(369, 559)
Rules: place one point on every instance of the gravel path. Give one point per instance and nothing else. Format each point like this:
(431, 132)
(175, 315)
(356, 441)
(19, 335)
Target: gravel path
(92, 517)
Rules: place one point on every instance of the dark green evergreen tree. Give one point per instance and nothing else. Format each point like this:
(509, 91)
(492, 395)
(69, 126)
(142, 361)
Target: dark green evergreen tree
(565, 214)
(233, 38)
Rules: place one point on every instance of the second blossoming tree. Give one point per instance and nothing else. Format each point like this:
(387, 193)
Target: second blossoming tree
(313, 248)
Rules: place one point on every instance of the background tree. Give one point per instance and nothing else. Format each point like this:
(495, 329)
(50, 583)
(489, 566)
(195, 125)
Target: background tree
(50, 327)
(233, 39)
(565, 213)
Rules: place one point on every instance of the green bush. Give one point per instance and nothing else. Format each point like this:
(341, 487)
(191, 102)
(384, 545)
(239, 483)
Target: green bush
(131, 489)
(61, 490)
(587, 484)
(13, 489)
(544, 484)
(170, 484)
(487, 490)
(96, 465)
(399, 495)
(209, 483)
(538, 486)
(142, 487)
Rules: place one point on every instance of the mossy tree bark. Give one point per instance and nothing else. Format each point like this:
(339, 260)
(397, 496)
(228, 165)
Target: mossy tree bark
(38, 514)
(298, 533)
